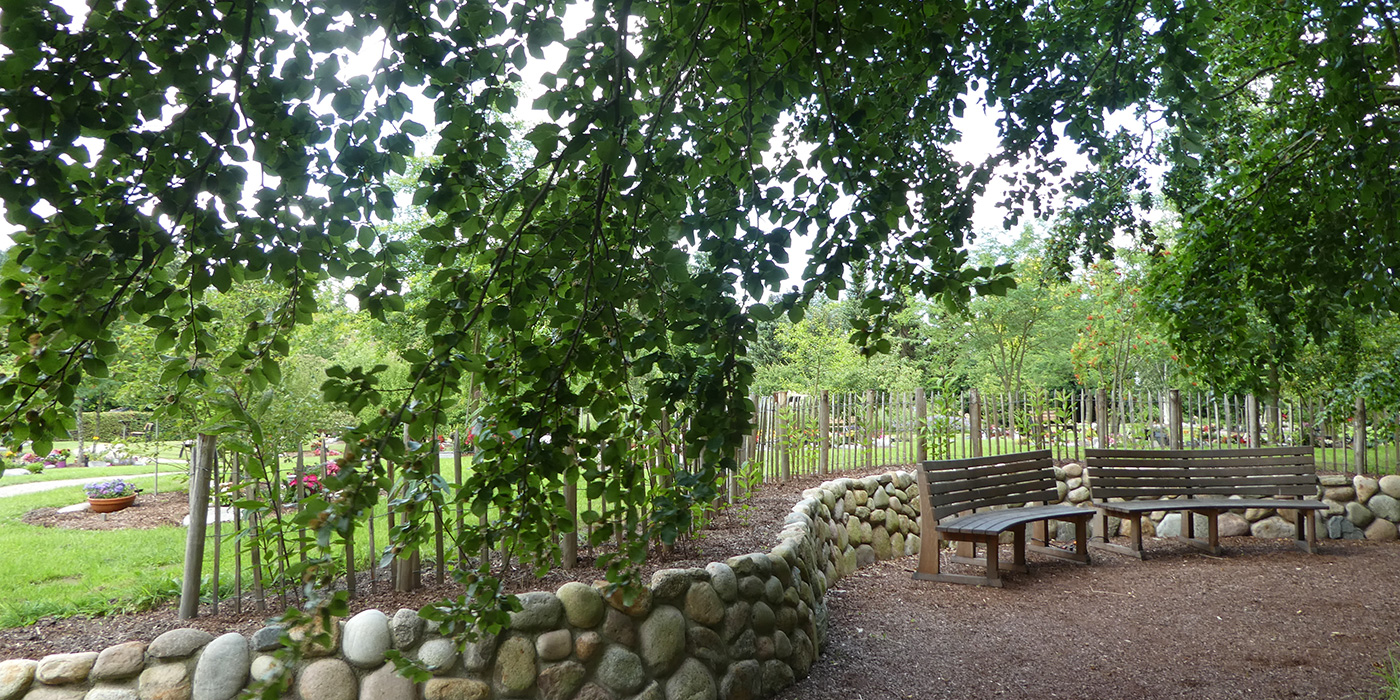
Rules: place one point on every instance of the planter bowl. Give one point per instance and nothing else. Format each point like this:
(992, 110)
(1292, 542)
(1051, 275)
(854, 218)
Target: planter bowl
(110, 505)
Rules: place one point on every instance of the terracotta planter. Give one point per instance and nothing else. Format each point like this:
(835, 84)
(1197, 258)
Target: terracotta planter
(111, 505)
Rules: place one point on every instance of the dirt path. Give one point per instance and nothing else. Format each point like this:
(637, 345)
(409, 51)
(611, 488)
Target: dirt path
(1264, 621)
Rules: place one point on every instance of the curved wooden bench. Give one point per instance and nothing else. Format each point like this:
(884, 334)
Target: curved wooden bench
(996, 493)
(1201, 481)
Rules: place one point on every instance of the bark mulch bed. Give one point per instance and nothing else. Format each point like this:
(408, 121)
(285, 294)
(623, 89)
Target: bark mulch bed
(1263, 621)
(149, 511)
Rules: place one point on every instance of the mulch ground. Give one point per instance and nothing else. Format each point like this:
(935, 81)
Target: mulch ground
(1263, 621)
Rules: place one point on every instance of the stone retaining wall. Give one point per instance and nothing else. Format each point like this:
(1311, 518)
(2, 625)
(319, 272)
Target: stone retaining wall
(744, 628)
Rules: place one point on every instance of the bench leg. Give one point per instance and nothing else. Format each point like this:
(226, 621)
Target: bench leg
(1081, 544)
(1042, 533)
(1018, 546)
(1211, 544)
(1135, 540)
(993, 554)
(933, 572)
(929, 548)
(1306, 537)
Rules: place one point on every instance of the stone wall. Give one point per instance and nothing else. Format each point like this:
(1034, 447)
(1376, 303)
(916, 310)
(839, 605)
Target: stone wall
(744, 628)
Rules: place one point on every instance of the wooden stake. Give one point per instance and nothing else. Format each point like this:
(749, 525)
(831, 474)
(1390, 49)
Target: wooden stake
(201, 466)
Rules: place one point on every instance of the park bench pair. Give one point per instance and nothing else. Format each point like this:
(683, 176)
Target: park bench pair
(974, 501)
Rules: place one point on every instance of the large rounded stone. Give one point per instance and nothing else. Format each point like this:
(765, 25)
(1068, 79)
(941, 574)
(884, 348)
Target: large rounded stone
(750, 588)
(1273, 528)
(111, 692)
(438, 655)
(703, 604)
(1365, 486)
(179, 643)
(164, 682)
(222, 670)
(16, 675)
(880, 542)
(593, 691)
(515, 665)
(554, 645)
(47, 692)
(477, 655)
(776, 676)
(583, 604)
(745, 646)
(268, 638)
(705, 644)
(386, 684)
(1331, 480)
(1078, 495)
(1390, 485)
(1359, 515)
(455, 689)
(692, 681)
(407, 628)
(865, 555)
(620, 670)
(736, 620)
(763, 618)
(662, 639)
(1381, 530)
(118, 661)
(1339, 493)
(366, 639)
(804, 653)
(669, 584)
(266, 668)
(743, 681)
(539, 611)
(560, 681)
(328, 679)
(587, 645)
(61, 669)
(635, 602)
(1385, 507)
(725, 583)
(1339, 528)
(1231, 525)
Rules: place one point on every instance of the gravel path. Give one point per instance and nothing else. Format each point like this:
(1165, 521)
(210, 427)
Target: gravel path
(41, 486)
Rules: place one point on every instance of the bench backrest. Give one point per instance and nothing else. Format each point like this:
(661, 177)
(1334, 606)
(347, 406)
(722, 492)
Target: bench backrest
(1132, 474)
(952, 486)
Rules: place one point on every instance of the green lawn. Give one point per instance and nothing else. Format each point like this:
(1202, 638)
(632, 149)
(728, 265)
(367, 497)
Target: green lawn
(90, 472)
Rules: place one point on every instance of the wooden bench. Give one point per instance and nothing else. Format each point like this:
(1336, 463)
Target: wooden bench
(1201, 481)
(987, 489)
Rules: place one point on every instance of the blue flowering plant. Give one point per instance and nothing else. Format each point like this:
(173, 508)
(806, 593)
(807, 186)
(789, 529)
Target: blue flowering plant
(116, 488)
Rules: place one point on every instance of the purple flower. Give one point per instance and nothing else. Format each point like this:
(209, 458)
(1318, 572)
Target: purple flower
(116, 488)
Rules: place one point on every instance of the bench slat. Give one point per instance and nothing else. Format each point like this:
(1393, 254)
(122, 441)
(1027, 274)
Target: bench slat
(1016, 498)
(1106, 493)
(1093, 452)
(1201, 480)
(940, 472)
(1187, 472)
(991, 460)
(950, 492)
(1213, 463)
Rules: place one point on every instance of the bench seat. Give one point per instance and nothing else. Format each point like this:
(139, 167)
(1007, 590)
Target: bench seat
(973, 501)
(1131, 483)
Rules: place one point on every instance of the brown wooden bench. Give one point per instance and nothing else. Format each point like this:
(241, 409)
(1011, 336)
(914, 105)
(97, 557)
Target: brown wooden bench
(1132, 483)
(988, 490)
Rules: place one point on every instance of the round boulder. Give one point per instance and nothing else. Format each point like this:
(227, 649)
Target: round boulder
(328, 679)
(366, 639)
(583, 604)
(662, 639)
(222, 670)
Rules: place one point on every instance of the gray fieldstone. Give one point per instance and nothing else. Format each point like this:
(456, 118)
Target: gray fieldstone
(16, 675)
(1073, 470)
(1381, 530)
(1390, 485)
(751, 588)
(1359, 515)
(1273, 528)
(477, 655)
(539, 611)
(1339, 493)
(328, 679)
(111, 692)
(1061, 491)
(268, 638)
(911, 545)
(1078, 495)
(780, 565)
(593, 691)
(560, 681)
(785, 618)
(165, 682)
(865, 555)
(704, 643)
(1253, 514)
(620, 669)
(763, 649)
(1334, 507)
(386, 684)
(119, 661)
(782, 646)
(736, 620)
(406, 628)
(587, 645)
(62, 669)
(640, 600)
(1333, 480)
(879, 499)
(455, 689)
(1339, 528)
(662, 639)
(619, 628)
(725, 583)
(266, 668)
(776, 676)
(880, 542)
(653, 691)
(669, 584)
(804, 653)
(692, 681)
(438, 655)
(515, 664)
(1386, 507)
(555, 645)
(1232, 525)
(179, 643)
(743, 681)
(773, 591)
(897, 545)
(867, 532)
(745, 646)
(366, 639)
(222, 669)
(763, 618)
(583, 604)
(45, 692)
(703, 604)
(1365, 486)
